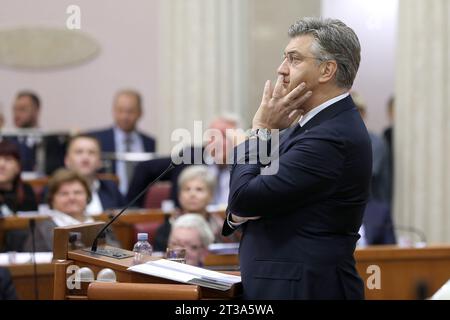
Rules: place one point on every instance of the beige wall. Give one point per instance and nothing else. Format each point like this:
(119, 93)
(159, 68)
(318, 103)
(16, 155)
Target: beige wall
(130, 37)
(268, 25)
(81, 96)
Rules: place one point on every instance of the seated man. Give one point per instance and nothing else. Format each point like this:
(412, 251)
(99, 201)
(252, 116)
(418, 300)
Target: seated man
(192, 232)
(377, 227)
(124, 136)
(26, 111)
(147, 171)
(83, 157)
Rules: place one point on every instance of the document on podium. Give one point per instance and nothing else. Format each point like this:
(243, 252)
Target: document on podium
(187, 274)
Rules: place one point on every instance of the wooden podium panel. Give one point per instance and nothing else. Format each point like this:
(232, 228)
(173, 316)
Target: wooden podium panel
(81, 258)
(405, 273)
(21, 222)
(23, 279)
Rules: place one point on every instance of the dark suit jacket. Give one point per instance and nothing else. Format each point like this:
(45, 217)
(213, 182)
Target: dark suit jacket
(378, 226)
(107, 141)
(109, 195)
(148, 171)
(7, 290)
(311, 210)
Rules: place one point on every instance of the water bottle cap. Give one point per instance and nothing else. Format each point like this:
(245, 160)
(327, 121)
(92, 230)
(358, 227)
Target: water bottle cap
(142, 236)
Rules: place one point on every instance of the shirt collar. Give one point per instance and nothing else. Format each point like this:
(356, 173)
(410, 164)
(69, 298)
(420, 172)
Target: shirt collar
(119, 132)
(95, 185)
(312, 113)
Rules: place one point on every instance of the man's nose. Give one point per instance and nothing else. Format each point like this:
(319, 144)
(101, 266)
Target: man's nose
(283, 69)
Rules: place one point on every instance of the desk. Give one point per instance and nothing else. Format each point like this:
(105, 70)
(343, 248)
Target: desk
(81, 258)
(23, 278)
(404, 270)
(21, 222)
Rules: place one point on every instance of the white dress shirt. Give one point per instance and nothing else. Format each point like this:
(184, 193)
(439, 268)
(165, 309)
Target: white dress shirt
(94, 207)
(136, 145)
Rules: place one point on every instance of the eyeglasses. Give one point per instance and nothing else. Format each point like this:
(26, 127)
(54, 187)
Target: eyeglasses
(295, 59)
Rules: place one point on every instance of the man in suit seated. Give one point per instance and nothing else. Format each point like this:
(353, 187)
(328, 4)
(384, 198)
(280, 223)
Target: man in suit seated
(147, 171)
(83, 157)
(26, 111)
(377, 227)
(124, 136)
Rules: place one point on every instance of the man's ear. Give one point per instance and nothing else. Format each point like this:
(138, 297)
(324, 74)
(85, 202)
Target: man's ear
(327, 71)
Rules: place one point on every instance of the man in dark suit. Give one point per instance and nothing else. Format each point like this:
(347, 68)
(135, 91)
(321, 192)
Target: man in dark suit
(301, 219)
(147, 171)
(83, 156)
(26, 110)
(124, 136)
(377, 227)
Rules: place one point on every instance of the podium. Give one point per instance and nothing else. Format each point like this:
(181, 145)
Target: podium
(69, 260)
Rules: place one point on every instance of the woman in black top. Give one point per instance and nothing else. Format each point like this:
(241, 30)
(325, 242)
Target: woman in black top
(15, 195)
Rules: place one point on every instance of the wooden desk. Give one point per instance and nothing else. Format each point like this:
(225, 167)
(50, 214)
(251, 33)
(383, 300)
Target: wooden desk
(23, 278)
(404, 270)
(95, 262)
(17, 223)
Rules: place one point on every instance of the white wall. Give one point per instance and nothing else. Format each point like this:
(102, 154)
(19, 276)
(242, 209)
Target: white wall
(81, 96)
(375, 23)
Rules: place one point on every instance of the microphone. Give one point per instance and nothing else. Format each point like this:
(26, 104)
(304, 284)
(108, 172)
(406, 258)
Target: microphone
(131, 203)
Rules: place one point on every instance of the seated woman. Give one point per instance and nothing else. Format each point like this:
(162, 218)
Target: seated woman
(68, 196)
(196, 190)
(191, 232)
(15, 195)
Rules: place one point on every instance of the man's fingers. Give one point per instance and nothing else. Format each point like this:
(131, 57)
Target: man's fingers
(267, 93)
(297, 92)
(278, 90)
(297, 103)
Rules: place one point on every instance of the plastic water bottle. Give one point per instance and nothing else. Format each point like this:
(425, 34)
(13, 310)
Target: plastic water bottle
(142, 249)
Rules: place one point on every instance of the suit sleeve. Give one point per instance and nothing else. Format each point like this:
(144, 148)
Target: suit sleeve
(306, 173)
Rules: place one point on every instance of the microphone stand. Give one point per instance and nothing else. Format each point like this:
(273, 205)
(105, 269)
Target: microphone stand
(132, 202)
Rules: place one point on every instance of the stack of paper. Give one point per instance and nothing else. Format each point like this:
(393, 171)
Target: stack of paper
(187, 274)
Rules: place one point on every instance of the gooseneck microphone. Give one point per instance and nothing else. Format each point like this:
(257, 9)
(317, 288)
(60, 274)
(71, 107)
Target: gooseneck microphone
(132, 202)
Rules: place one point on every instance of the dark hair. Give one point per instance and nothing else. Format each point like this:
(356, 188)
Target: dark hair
(62, 176)
(333, 40)
(33, 96)
(10, 149)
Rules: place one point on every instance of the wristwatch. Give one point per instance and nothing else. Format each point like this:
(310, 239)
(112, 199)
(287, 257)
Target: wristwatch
(263, 134)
